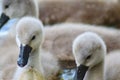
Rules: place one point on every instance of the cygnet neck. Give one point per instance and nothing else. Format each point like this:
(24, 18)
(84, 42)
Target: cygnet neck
(34, 59)
(96, 71)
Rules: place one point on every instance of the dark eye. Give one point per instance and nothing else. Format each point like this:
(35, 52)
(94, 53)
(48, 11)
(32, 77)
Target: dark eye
(33, 37)
(6, 6)
(88, 57)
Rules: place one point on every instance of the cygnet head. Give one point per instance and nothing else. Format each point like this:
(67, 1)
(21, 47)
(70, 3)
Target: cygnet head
(89, 50)
(18, 9)
(29, 37)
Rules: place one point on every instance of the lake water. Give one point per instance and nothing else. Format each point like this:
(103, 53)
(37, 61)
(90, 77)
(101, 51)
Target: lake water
(68, 74)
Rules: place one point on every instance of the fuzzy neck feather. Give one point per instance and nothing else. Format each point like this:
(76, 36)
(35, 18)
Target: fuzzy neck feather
(34, 60)
(96, 73)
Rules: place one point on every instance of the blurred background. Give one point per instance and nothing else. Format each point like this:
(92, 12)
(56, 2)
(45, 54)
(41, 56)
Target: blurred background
(98, 12)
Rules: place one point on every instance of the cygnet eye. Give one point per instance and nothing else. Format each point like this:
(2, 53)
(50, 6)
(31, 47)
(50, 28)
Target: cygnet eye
(33, 38)
(88, 57)
(6, 6)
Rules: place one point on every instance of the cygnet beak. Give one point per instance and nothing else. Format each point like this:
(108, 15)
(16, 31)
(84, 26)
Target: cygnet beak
(24, 55)
(80, 72)
(3, 19)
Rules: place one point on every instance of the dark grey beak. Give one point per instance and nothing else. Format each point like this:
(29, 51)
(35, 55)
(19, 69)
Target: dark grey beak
(3, 19)
(80, 72)
(24, 55)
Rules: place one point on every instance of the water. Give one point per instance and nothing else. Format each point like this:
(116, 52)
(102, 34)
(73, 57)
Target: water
(68, 74)
(8, 25)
